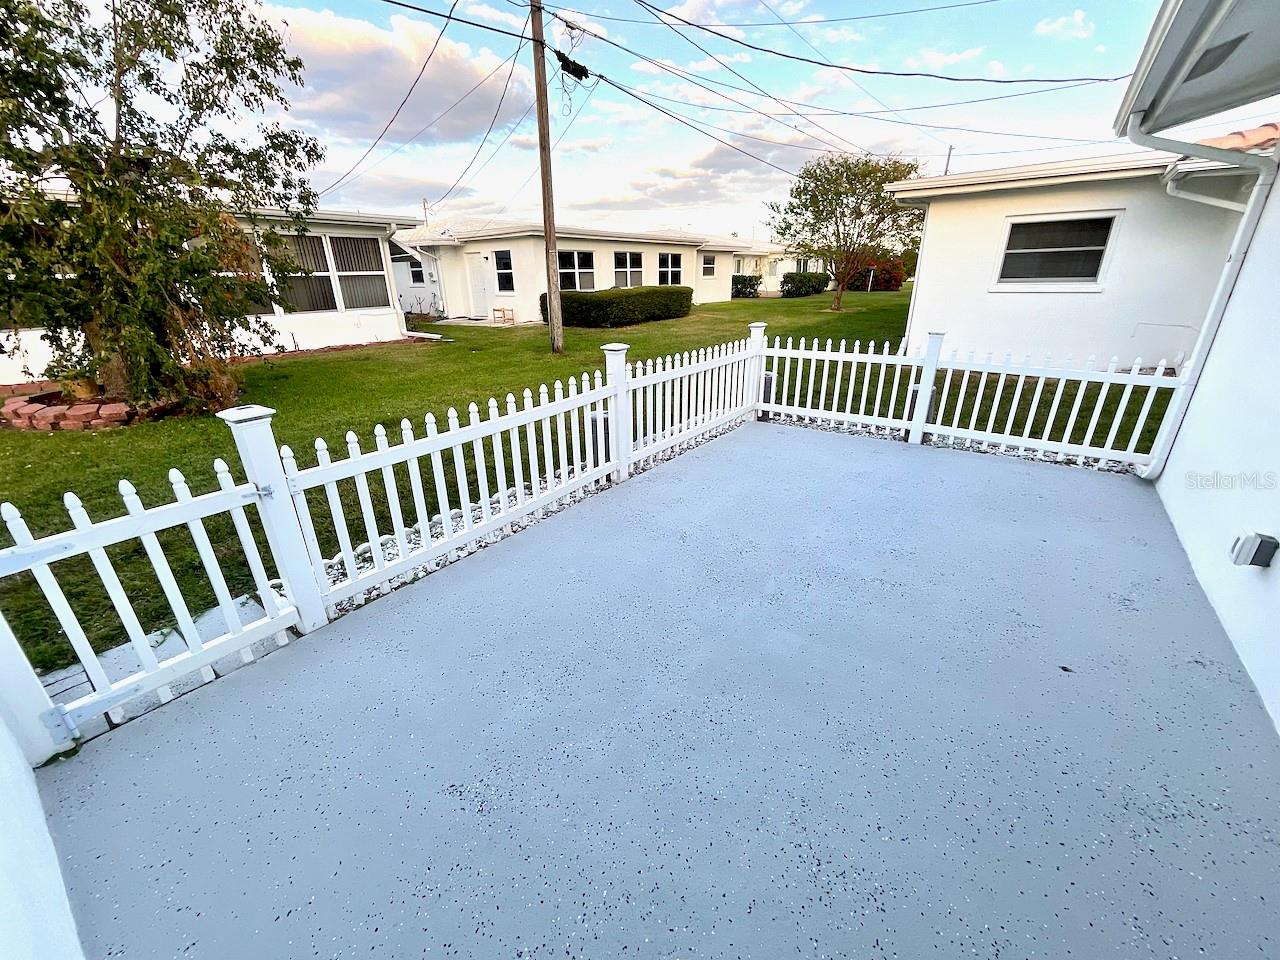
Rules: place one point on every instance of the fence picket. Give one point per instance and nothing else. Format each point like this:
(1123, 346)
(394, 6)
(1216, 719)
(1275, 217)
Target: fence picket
(420, 511)
(338, 514)
(366, 504)
(269, 599)
(482, 468)
(212, 568)
(459, 457)
(447, 528)
(393, 495)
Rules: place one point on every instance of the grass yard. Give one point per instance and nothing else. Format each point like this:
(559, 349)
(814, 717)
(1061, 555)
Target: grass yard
(326, 395)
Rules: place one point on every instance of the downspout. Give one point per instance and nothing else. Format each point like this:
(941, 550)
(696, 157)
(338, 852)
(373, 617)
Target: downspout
(1266, 168)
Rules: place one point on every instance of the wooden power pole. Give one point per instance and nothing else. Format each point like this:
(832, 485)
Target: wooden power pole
(554, 322)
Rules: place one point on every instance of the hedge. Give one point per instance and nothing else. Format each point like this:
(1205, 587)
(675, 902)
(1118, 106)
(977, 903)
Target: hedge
(621, 306)
(889, 275)
(804, 284)
(745, 285)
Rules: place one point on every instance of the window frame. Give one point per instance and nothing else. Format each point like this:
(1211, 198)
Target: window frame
(669, 270)
(498, 272)
(638, 269)
(577, 270)
(417, 267)
(703, 263)
(1097, 285)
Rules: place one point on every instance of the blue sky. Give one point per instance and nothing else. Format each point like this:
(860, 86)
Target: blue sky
(623, 163)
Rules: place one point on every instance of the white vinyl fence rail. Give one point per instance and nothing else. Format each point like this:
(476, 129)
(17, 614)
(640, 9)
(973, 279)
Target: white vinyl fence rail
(340, 530)
(1083, 414)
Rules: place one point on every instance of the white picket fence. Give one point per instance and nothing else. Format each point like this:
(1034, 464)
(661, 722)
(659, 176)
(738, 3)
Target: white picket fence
(1082, 414)
(434, 495)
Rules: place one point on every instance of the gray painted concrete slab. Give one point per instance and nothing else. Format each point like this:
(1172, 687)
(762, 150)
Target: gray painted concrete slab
(791, 694)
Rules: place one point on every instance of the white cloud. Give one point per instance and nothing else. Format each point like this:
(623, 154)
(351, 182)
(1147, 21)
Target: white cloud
(995, 69)
(933, 59)
(1073, 26)
(1100, 48)
(482, 11)
(708, 64)
(840, 35)
(356, 74)
(526, 141)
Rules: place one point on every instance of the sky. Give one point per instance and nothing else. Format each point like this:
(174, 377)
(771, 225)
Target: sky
(621, 163)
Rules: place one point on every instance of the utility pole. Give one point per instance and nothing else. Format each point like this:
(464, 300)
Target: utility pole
(554, 322)
(947, 167)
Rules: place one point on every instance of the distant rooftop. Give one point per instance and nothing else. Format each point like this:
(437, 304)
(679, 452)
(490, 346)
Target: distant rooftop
(461, 230)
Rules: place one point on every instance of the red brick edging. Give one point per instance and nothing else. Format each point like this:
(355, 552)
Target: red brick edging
(48, 411)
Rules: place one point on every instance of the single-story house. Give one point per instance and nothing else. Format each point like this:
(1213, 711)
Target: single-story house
(350, 297)
(1110, 256)
(770, 262)
(496, 270)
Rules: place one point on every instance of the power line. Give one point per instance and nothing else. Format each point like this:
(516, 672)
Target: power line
(492, 120)
(391, 153)
(805, 40)
(758, 89)
(871, 71)
(690, 125)
(408, 93)
(865, 16)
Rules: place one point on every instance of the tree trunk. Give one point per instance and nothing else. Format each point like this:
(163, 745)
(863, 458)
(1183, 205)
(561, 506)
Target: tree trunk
(835, 304)
(113, 375)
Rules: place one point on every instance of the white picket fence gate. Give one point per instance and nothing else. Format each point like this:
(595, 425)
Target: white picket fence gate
(431, 496)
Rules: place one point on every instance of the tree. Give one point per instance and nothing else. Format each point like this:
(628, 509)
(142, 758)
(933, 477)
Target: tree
(840, 214)
(125, 148)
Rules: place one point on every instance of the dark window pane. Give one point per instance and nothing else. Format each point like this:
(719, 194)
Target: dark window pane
(586, 260)
(566, 260)
(568, 280)
(619, 261)
(364, 292)
(356, 254)
(675, 261)
(664, 261)
(502, 259)
(415, 274)
(506, 281)
(309, 293)
(1060, 233)
(307, 252)
(635, 261)
(1053, 265)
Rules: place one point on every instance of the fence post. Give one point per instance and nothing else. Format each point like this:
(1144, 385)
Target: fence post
(25, 708)
(924, 390)
(256, 443)
(755, 374)
(615, 373)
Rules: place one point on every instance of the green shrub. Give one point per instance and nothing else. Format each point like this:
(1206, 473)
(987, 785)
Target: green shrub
(621, 306)
(804, 284)
(745, 285)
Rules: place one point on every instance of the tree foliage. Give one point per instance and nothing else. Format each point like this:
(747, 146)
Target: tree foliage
(839, 213)
(126, 144)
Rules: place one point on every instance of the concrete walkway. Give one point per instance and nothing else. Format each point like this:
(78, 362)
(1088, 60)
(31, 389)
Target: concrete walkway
(793, 694)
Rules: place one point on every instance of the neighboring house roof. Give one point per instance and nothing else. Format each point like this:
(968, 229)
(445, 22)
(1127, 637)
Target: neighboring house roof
(1203, 57)
(1128, 166)
(332, 217)
(462, 231)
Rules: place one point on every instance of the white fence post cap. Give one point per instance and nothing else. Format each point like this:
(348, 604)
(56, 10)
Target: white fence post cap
(758, 325)
(616, 347)
(246, 413)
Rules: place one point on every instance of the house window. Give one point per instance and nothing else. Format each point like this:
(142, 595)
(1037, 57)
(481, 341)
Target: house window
(577, 269)
(1055, 251)
(773, 268)
(802, 265)
(505, 269)
(314, 291)
(417, 277)
(361, 276)
(708, 264)
(627, 269)
(737, 264)
(669, 269)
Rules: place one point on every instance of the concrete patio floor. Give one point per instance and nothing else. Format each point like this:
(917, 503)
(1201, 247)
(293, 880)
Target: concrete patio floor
(792, 694)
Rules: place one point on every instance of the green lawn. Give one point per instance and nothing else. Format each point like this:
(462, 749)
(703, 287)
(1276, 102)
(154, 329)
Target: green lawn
(326, 395)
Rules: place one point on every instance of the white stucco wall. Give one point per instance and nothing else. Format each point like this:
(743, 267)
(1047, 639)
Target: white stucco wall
(1163, 260)
(35, 918)
(1223, 475)
(459, 265)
